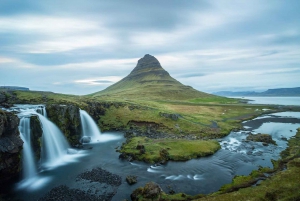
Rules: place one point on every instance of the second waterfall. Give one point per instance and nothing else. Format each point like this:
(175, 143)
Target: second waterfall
(90, 130)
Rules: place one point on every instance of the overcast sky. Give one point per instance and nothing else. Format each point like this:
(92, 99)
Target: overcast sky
(83, 46)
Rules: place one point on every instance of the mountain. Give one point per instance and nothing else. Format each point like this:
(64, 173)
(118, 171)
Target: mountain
(270, 92)
(148, 80)
(13, 88)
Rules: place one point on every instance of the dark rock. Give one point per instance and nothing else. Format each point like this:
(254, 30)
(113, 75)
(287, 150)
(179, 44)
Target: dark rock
(67, 118)
(141, 148)
(10, 149)
(170, 116)
(68, 194)
(150, 191)
(265, 138)
(2, 97)
(127, 157)
(85, 139)
(102, 176)
(36, 135)
(284, 138)
(131, 179)
(164, 154)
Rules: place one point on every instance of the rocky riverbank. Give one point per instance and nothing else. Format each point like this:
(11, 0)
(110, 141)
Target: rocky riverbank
(10, 149)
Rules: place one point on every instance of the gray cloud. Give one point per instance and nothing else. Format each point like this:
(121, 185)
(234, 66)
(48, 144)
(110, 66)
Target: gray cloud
(104, 81)
(191, 75)
(209, 45)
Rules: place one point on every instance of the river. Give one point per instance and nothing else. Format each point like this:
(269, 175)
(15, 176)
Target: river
(203, 175)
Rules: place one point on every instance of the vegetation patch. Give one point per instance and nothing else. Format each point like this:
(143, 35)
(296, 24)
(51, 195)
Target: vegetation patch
(157, 150)
(215, 99)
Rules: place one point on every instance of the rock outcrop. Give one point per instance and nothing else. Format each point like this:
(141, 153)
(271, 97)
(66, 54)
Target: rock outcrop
(151, 191)
(36, 135)
(67, 118)
(170, 116)
(264, 138)
(2, 97)
(10, 148)
(131, 179)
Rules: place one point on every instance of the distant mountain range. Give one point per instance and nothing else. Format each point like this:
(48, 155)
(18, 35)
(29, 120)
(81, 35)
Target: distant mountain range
(14, 88)
(270, 92)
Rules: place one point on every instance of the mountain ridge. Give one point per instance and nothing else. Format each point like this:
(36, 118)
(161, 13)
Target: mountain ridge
(295, 91)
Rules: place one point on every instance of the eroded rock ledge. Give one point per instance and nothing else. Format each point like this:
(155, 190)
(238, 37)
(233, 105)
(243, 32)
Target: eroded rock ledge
(10, 148)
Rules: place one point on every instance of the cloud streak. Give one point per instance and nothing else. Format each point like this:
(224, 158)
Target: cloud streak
(83, 47)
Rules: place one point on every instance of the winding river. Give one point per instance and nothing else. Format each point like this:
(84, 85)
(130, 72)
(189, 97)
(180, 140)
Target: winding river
(204, 175)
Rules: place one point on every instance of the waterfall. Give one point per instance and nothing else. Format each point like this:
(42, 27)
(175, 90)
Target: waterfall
(55, 149)
(29, 165)
(54, 144)
(44, 112)
(89, 127)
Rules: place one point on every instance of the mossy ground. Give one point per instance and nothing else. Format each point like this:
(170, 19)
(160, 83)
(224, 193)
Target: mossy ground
(169, 149)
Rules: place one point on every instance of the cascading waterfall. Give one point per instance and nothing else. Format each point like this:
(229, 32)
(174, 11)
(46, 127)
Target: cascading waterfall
(89, 127)
(29, 164)
(54, 146)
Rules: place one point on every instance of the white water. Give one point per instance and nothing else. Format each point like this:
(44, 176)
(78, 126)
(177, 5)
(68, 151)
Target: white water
(89, 127)
(29, 164)
(55, 147)
(54, 144)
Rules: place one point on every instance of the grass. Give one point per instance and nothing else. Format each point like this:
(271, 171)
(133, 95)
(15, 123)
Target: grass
(215, 99)
(157, 150)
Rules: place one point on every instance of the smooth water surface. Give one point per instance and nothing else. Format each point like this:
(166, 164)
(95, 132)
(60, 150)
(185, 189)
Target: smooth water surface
(273, 100)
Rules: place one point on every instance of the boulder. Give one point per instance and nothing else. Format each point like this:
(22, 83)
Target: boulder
(150, 191)
(141, 148)
(265, 138)
(85, 139)
(170, 116)
(164, 154)
(131, 179)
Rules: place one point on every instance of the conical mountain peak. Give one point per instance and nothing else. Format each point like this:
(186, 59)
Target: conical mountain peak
(147, 61)
(148, 65)
(148, 80)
